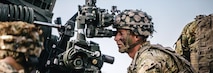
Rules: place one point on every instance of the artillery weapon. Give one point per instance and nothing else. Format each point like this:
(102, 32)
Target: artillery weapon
(63, 55)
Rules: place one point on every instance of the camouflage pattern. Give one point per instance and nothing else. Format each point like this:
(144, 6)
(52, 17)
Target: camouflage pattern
(195, 43)
(19, 40)
(136, 20)
(20, 37)
(158, 59)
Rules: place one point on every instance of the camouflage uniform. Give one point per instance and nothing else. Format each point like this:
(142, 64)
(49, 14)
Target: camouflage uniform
(195, 43)
(20, 41)
(158, 59)
(149, 58)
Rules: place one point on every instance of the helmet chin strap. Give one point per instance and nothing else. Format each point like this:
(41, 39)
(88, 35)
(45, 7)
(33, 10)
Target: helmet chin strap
(128, 47)
(128, 44)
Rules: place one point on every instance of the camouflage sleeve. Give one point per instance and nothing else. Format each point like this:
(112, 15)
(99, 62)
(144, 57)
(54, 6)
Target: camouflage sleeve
(155, 61)
(186, 38)
(148, 66)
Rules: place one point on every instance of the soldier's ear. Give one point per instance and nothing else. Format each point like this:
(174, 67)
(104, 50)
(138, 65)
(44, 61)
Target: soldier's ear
(137, 37)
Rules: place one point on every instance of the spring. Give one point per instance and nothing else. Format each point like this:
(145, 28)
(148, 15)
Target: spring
(9, 12)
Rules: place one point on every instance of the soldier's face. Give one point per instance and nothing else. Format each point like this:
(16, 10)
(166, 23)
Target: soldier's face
(123, 39)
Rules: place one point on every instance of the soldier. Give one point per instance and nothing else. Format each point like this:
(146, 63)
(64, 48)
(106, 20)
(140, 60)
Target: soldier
(20, 46)
(195, 43)
(133, 29)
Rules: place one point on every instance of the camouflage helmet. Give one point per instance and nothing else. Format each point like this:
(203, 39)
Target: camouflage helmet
(21, 37)
(137, 21)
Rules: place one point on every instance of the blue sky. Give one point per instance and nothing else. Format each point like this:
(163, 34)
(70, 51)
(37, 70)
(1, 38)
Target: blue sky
(169, 17)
